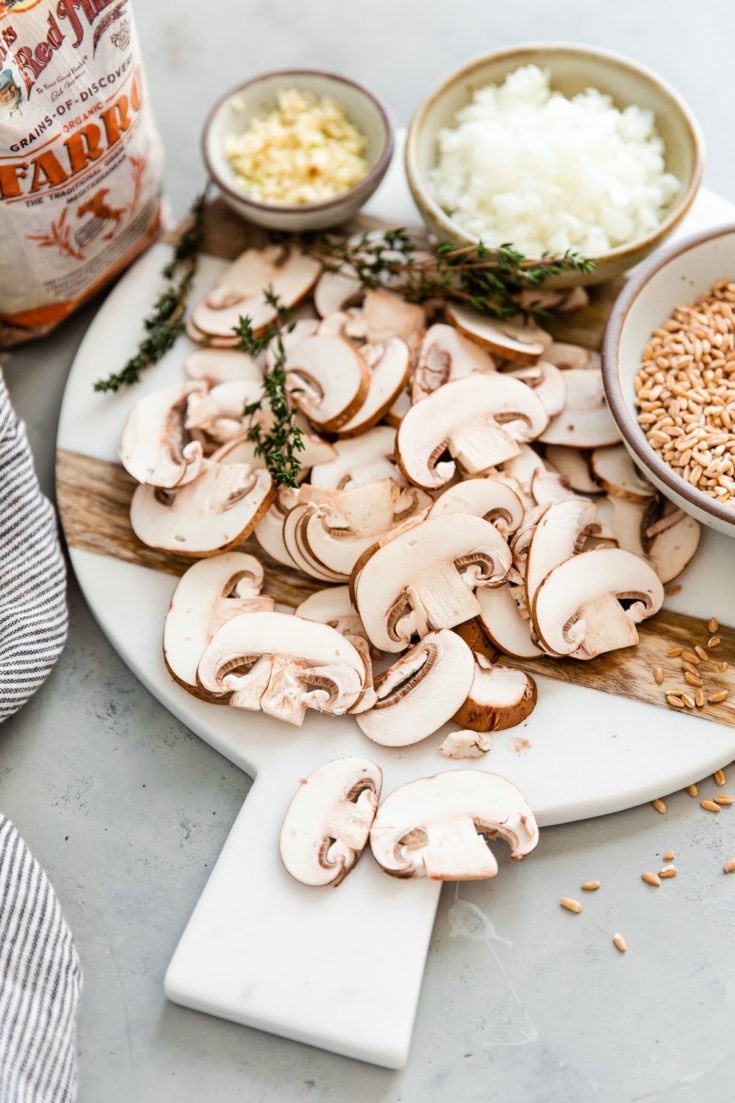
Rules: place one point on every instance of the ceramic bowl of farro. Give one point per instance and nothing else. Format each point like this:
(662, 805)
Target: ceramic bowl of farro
(669, 370)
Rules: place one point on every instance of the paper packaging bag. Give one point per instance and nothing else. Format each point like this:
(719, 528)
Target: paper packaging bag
(80, 159)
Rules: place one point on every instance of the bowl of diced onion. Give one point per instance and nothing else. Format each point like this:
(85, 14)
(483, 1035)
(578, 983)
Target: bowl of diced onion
(555, 147)
(298, 149)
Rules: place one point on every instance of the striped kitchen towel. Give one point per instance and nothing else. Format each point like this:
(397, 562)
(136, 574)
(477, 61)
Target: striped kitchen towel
(40, 980)
(39, 970)
(33, 619)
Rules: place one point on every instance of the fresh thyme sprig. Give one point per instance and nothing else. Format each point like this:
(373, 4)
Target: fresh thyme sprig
(490, 280)
(166, 320)
(280, 444)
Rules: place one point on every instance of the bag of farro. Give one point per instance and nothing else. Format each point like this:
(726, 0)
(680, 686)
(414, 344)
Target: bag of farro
(80, 159)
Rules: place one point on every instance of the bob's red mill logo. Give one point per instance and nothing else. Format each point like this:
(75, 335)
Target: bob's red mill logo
(72, 18)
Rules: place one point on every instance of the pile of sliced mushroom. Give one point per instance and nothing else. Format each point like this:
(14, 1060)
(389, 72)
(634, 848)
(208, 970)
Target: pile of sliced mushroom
(464, 494)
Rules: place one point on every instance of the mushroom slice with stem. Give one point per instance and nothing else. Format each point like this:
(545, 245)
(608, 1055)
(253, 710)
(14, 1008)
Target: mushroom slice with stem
(466, 744)
(310, 665)
(546, 381)
(328, 380)
(425, 577)
(437, 826)
(219, 413)
(155, 447)
(389, 367)
(210, 593)
(334, 291)
(214, 513)
(489, 498)
(673, 548)
(419, 693)
(557, 607)
(215, 366)
(559, 534)
(500, 698)
(446, 355)
(573, 465)
(287, 274)
(617, 474)
(464, 418)
(505, 337)
(503, 624)
(387, 315)
(358, 461)
(328, 822)
(585, 421)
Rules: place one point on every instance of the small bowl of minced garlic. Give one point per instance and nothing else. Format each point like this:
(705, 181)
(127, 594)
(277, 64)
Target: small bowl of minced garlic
(297, 150)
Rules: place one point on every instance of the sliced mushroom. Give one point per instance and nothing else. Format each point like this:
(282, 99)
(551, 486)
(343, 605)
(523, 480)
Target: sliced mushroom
(616, 473)
(419, 693)
(574, 466)
(446, 355)
(438, 826)
(466, 744)
(673, 548)
(625, 521)
(210, 593)
(328, 380)
(300, 653)
(567, 356)
(214, 513)
(215, 366)
(559, 534)
(501, 619)
(562, 300)
(607, 628)
(505, 337)
(328, 822)
(547, 383)
(522, 468)
(358, 461)
(585, 421)
(333, 606)
(219, 413)
(241, 449)
(500, 698)
(425, 578)
(489, 498)
(389, 369)
(334, 291)
(464, 418)
(240, 292)
(387, 315)
(549, 486)
(269, 530)
(305, 327)
(396, 413)
(584, 578)
(155, 447)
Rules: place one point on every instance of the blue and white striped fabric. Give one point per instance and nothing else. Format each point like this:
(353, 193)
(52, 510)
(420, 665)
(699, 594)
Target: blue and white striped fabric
(33, 620)
(39, 971)
(40, 979)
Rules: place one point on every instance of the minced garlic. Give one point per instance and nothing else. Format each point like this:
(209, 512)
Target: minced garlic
(305, 151)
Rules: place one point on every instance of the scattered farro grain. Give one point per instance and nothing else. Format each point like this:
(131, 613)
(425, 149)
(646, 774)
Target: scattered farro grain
(710, 805)
(712, 624)
(722, 667)
(651, 879)
(688, 700)
(669, 856)
(620, 943)
(729, 867)
(674, 652)
(724, 798)
(659, 674)
(714, 641)
(690, 668)
(701, 652)
(672, 590)
(590, 886)
(571, 905)
(690, 657)
(715, 698)
(699, 698)
(692, 679)
(719, 777)
(674, 701)
(659, 805)
(692, 790)
(667, 871)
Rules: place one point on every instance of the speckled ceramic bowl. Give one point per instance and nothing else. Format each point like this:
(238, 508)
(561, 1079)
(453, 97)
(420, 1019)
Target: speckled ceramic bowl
(232, 114)
(675, 275)
(573, 69)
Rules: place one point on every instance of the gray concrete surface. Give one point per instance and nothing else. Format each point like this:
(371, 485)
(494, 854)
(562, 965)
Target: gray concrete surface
(128, 811)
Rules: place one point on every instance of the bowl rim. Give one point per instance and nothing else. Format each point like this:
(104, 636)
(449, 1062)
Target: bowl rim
(625, 420)
(364, 185)
(422, 194)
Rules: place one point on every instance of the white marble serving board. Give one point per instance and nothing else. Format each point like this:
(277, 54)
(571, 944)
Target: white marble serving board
(342, 969)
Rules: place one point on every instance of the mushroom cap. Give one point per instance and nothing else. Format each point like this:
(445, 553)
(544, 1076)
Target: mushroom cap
(426, 828)
(500, 697)
(214, 513)
(390, 365)
(489, 498)
(328, 379)
(463, 417)
(328, 822)
(585, 578)
(509, 338)
(155, 447)
(446, 355)
(424, 577)
(585, 421)
(420, 692)
(211, 592)
(314, 655)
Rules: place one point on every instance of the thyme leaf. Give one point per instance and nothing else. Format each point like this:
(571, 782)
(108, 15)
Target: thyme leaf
(166, 320)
